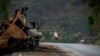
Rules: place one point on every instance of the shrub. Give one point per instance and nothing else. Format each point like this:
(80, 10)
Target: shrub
(47, 36)
(97, 42)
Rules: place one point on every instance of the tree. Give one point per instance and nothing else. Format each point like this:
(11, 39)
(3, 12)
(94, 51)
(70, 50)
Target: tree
(94, 20)
(4, 5)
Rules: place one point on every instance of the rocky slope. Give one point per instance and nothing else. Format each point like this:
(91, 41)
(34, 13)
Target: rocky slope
(68, 16)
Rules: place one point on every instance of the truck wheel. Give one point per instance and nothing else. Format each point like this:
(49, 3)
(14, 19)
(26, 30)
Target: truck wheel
(31, 43)
(37, 41)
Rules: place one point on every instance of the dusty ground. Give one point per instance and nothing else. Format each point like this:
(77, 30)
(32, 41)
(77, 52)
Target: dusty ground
(48, 50)
(46, 53)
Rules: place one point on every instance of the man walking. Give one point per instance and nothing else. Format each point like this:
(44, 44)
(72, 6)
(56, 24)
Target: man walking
(56, 35)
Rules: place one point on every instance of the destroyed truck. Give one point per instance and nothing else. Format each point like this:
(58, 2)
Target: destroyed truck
(15, 34)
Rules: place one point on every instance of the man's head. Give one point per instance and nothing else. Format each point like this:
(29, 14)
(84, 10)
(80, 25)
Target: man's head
(17, 11)
(23, 10)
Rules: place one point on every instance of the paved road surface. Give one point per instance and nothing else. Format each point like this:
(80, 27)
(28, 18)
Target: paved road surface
(79, 49)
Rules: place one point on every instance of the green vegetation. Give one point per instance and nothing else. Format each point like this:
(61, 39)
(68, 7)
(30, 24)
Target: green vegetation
(90, 20)
(70, 38)
(47, 36)
(64, 24)
(4, 5)
(66, 38)
(97, 42)
(94, 18)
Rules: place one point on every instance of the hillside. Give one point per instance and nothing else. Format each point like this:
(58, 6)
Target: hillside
(64, 16)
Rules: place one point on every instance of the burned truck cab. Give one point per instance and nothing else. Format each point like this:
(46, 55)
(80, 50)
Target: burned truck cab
(15, 33)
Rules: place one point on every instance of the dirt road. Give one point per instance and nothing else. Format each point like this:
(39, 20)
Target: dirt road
(78, 49)
(61, 49)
